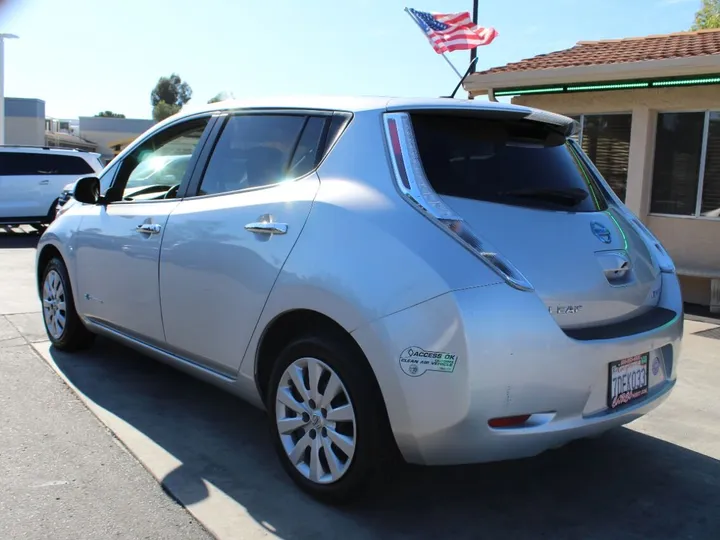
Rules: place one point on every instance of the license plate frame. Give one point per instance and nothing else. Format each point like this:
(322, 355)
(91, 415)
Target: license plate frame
(628, 380)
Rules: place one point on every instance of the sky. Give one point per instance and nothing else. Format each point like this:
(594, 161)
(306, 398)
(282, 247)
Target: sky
(86, 56)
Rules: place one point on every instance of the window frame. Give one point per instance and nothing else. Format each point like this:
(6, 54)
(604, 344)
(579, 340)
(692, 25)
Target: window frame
(581, 134)
(210, 129)
(325, 145)
(35, 155)
(583, 115)
(701, 165)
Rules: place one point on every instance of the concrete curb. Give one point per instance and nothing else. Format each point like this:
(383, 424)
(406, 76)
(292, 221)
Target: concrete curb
(221, 515)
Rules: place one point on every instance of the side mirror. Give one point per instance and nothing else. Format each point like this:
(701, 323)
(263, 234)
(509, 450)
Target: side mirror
(87, 190)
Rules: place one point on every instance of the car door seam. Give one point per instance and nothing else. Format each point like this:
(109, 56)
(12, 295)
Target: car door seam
(282, 267)
(160, 250)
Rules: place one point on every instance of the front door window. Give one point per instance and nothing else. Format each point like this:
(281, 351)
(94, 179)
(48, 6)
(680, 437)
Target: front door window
(156, 168)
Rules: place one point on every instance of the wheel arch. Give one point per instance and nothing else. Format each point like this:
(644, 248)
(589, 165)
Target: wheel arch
(289, 325)
(294, 323)
(44, 256)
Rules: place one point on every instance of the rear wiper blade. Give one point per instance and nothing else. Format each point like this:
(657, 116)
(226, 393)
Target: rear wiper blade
(570, 196)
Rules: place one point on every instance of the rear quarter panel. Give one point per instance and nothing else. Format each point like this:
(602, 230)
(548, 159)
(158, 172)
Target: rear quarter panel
(364, 252)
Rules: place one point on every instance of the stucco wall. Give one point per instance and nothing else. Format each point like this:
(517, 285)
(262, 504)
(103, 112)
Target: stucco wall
(667, 99)
(692, 243)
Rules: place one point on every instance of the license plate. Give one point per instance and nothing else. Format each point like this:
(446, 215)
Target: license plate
(628, 380)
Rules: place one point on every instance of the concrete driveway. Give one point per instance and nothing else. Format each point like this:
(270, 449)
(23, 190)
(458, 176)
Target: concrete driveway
(657, 478)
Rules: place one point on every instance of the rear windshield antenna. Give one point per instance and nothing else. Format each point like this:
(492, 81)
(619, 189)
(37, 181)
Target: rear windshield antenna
(459, 84)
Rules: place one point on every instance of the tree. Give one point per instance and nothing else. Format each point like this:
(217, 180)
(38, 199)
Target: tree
(109, 114)
(172, 90)
(708, 16)
(163, 110)
(222, 96)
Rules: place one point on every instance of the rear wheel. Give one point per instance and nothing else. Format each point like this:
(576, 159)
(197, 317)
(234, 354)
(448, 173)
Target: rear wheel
(327, 419)
(52, 213)
(62, 323)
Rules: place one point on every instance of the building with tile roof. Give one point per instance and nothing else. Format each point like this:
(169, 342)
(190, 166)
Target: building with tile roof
(648, 110)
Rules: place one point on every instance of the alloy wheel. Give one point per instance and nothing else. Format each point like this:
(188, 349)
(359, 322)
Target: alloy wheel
(316, 420)
(54, 304)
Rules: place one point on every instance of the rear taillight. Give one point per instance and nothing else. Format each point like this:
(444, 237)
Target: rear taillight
(664, 260)
(416, 189)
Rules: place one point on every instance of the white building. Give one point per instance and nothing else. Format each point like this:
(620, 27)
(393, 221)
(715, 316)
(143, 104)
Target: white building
(106, 132)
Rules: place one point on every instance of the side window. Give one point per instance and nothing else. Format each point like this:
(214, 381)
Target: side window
(253, 151)
(306, 154)
(106, 178)
(42, 163)
(156, 168)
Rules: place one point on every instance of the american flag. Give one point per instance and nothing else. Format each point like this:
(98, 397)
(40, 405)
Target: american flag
(452, 31)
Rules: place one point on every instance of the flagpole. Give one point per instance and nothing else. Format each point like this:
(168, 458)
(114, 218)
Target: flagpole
(473, 51)
(424, 34)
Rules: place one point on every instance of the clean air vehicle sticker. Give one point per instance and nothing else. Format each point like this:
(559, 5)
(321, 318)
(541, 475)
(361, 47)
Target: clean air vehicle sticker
(415, 361)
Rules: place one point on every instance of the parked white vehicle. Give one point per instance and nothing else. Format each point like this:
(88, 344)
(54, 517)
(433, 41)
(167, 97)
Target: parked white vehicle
(32, 179)
(451, 279)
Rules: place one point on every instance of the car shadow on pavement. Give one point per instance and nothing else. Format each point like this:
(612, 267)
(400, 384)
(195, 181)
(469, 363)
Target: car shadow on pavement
(14, 238)
(623, 485)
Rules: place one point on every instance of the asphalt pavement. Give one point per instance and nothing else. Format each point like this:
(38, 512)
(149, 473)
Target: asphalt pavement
(66, 424)
(63, 474)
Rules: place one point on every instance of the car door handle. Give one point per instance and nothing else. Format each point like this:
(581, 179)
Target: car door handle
(44, 182)
(265, 227)
(148, 228)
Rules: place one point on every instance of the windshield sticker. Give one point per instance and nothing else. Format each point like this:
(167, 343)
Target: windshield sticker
(415, 361)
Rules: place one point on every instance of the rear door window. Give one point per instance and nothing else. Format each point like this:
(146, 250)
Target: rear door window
(31, 164)
(516, 162)
(256, 150)
(308, 148)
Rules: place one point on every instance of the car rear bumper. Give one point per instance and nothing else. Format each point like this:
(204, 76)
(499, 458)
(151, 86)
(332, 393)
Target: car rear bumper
(511, 359)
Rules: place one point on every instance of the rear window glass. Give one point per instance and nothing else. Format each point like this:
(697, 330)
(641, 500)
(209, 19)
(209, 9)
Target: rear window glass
(306, 154)
(509, 162)
(26, 164)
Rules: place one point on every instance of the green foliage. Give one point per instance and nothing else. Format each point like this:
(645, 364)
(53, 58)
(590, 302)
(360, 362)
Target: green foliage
(708, 16)
(222, 96)
(172, 90)
(109, 114)
(163, 110)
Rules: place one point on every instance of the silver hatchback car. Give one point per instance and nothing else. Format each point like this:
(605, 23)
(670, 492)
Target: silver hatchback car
(443, 280)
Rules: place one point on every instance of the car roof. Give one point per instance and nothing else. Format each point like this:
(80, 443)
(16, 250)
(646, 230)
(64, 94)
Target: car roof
(45, 149)
(351, 104)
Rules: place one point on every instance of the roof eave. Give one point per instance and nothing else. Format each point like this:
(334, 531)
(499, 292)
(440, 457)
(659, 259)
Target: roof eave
(479, 84)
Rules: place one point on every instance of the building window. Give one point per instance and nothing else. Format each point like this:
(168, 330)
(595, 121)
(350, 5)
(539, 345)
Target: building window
(605, 138)
(686, 172)
(710, 201)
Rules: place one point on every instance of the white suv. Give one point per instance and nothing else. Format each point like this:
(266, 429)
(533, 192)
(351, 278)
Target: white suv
(32, 178)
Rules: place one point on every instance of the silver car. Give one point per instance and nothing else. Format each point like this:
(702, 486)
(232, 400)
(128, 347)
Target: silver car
(443, 280)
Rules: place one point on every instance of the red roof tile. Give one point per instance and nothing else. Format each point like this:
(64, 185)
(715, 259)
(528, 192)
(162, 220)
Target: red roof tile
(621, 51)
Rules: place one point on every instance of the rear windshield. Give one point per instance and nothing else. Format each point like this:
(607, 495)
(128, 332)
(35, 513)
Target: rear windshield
(514, 162)
(45, 163)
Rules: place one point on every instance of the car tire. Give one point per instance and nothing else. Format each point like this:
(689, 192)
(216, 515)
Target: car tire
(63, 325)
(52, 213)
(368, 431)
